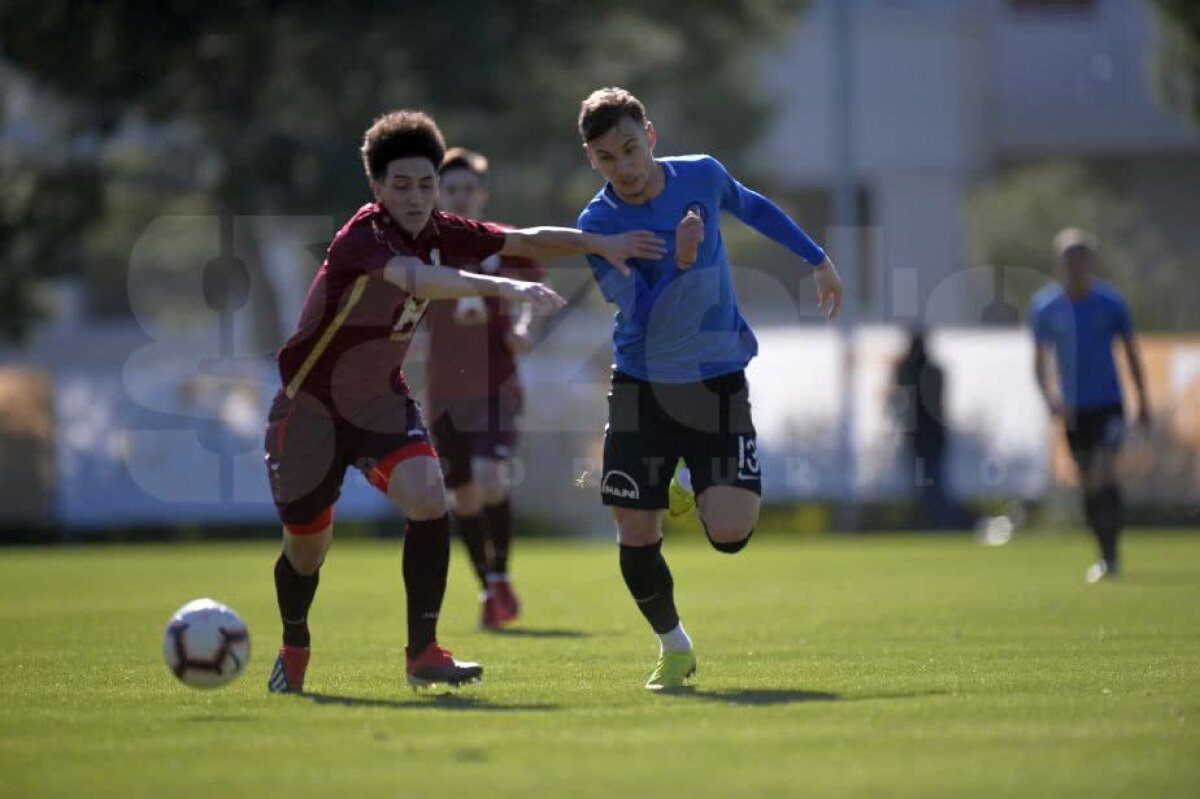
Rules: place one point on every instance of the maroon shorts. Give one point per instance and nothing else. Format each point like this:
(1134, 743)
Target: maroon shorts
(483, 427)
(309, 448)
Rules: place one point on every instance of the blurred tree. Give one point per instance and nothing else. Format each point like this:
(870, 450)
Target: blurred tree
(1178, 56)
(282, 90)
(1012, 219)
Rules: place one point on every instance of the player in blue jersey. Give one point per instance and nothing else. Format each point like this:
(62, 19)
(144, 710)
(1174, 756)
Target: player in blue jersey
(679, 390)
(1076, 323)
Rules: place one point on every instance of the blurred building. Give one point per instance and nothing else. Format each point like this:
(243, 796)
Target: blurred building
(946, 92)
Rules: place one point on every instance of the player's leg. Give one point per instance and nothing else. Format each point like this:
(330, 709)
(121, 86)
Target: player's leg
(729, 514)
(400, 460)
(494, 481)
(493, 467)
(297, 575)
(1095, 444)
(454, 447)
(305, 471)
(722, 459)
(639, 459)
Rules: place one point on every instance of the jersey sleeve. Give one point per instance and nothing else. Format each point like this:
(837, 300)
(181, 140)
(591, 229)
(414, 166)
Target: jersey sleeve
(764, 216)
(1123, 319)
(358, 249)
(1038, 322)
(473, 239)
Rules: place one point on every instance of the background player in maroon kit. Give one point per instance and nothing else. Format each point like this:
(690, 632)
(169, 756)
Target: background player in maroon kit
(474, 394)
(344, 401)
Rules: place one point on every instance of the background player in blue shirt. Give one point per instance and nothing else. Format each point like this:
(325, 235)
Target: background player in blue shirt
(1077, 322)
(680, 343)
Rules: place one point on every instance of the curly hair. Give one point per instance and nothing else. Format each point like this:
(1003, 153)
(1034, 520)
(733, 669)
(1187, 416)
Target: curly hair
(407, 133)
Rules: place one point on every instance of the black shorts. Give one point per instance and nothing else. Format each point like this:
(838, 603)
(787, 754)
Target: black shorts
(483, 427)
(309, 448)
(652, 425)
(1094, 429)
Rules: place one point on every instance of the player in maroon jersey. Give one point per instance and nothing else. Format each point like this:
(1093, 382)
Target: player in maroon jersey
(475, 397)
(344, 401)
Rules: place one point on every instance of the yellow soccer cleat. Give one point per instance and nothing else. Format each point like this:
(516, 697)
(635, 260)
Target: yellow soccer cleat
(680, 498)
(672, 670)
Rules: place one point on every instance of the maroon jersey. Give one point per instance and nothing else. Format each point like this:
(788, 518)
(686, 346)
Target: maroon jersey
(356, 327)
(468, 356)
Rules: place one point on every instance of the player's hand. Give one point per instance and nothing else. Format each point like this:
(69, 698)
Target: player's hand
(518, 340)
(619, 248)
(544, 299)
(689, 234)
(829, 289)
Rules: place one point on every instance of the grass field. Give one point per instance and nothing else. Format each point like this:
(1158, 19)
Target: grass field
(859, 667)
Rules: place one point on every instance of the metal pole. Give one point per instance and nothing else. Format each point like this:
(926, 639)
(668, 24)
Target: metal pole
(845, 240)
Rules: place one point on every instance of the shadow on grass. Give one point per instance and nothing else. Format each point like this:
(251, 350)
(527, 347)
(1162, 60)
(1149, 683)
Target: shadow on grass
(538, 632)
(1159, 578)
(784, 696)
(426, 702)
(752, 696)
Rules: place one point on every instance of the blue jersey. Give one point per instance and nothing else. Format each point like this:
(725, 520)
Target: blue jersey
(682, 325)
(1082, 333)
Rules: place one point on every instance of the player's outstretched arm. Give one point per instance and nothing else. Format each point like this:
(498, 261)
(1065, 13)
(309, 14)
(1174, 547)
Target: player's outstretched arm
(1134, 356)
(442, 283)
(829, 288)
(556, 242)
(1041, 373)
(771, 221)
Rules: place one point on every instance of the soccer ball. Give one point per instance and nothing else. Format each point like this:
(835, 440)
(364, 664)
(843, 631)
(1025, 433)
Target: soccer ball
(206, 644)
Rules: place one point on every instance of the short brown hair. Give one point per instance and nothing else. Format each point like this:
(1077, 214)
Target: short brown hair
(407, 133)
(606, 107)
(462, 158)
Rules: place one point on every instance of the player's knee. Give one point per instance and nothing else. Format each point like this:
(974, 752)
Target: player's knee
(416, 488)
(306, 562)
(424, 505)
(306, 554)
(467, 500)
(494, 493)
(490, 480)
(729, 539)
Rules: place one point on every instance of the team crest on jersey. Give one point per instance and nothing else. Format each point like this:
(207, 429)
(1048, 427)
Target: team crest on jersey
(405, 326)
(619, 484)
(699, 208)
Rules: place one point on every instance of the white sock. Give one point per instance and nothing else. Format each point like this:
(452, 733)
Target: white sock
(685, 479)
(676, 640)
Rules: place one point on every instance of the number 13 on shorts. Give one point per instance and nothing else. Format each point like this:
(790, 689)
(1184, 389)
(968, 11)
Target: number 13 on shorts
(748, 468)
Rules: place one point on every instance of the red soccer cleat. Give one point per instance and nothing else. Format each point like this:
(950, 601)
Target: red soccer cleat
(490, 616)
(287, 677)
(437, 665)
(506, 601)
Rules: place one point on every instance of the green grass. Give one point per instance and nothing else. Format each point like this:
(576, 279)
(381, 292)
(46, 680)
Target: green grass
(857, 667)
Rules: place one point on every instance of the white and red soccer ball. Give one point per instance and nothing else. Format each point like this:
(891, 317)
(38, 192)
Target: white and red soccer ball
(206, 644)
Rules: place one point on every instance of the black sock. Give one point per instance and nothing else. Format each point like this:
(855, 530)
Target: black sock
(295, 593)
(425, 563)
(649, 582)
(1089, 511)
(473, 531)
(499, 521)
(1109, 514)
